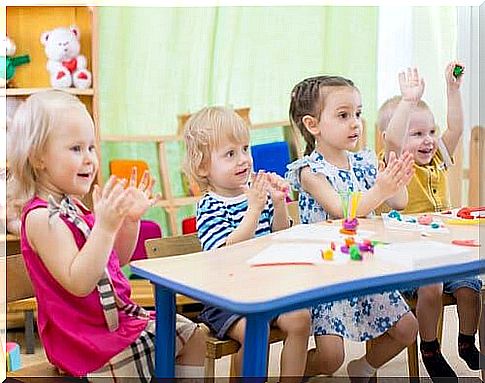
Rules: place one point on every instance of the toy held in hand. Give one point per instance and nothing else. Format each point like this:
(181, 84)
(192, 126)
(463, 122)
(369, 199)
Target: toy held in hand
(9, 62)
(66, 66)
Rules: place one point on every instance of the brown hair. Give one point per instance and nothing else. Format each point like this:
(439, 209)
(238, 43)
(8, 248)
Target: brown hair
(307, 98)
(203, 132)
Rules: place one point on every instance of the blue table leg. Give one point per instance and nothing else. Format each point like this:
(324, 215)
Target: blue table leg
(165, 337)
(255, 358)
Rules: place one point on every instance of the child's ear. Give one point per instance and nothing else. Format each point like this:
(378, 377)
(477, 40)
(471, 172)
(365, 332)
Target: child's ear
(203, 169)
(37, 163)
(311, 124)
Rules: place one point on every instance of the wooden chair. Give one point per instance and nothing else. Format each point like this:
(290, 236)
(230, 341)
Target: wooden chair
(215, 348)
(21, 295)
(123, 168)
(476, 190)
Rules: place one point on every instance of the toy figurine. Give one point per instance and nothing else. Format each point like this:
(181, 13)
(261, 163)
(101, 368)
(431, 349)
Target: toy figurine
(9, 62)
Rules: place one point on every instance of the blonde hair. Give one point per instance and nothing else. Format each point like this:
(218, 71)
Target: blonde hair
(387, 110)
(31, 126)
(204, 131)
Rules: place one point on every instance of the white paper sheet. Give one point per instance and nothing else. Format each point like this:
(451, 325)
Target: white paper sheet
(293, 254)
(319, 233)
(422, 253)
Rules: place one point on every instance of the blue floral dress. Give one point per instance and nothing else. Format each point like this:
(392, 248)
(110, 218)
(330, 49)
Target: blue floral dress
(357, 318)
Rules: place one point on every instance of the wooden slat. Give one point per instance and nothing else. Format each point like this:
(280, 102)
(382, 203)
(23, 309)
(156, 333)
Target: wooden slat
(18, 281)
(476, 192)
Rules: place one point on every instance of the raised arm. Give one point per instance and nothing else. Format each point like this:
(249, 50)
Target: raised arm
(412, 88)
(454, 117)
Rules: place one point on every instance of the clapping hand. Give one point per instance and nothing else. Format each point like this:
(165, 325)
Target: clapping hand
(140, 195)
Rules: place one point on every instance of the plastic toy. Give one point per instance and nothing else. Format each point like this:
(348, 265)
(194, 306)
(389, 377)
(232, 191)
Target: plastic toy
(458, 71)
(64, 63)
(9, 62)
(425, 223)
(13, 356)
(350, 201)
(471, 212)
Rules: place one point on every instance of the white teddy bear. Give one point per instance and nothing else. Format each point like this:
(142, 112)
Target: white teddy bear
(65, 65)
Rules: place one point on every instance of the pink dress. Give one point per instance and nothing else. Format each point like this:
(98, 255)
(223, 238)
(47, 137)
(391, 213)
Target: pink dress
(73, 329)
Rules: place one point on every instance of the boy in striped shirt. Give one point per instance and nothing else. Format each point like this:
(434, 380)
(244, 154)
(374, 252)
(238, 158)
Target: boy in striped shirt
(233, 210)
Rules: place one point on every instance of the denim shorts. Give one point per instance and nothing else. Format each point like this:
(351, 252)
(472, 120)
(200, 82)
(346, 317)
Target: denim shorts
(449, 287)
(218, 321)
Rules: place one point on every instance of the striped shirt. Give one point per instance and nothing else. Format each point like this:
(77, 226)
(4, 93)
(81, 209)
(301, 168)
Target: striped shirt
(219, 216)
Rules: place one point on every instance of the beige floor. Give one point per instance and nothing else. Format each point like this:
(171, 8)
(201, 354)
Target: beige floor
(396, 367)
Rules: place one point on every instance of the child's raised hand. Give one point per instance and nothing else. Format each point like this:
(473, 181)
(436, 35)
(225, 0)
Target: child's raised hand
(111, 204)
(257, 192)
(452, 82)
(140, 195)
(278, 187)
(411, 85)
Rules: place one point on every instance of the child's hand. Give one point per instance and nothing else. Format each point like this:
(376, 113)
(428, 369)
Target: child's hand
(111, 204)
(141, 195)
(278, 188)
(397, 173)
(257, 193)
(411, 85)
(452, 82)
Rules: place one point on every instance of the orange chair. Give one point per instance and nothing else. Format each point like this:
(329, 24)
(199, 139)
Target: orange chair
(123, 168)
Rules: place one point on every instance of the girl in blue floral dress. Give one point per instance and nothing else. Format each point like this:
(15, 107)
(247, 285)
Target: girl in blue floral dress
(327, 112)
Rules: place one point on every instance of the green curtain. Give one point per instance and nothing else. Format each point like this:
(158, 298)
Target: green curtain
(156, 63)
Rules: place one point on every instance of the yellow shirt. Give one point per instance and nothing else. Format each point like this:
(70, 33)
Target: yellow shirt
(428, 190)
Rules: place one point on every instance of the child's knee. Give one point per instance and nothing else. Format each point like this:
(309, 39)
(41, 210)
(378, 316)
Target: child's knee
(431, 293)
(295, 323)
(405, 330)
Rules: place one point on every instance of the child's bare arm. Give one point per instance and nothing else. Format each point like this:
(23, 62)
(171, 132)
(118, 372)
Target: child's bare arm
(257, 195)
(454, 118)
(412, 88)
(78, 271)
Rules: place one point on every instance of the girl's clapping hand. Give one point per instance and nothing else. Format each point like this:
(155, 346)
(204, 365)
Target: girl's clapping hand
(140, 195)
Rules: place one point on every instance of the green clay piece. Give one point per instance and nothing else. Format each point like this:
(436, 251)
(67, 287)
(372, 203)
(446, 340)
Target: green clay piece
(458, 71)
(355, 253)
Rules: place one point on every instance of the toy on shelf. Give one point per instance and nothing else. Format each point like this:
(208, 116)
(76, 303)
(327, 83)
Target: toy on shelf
(13, 356)
(425, 223)
(66, 66)
(9, 62)
(349, 201)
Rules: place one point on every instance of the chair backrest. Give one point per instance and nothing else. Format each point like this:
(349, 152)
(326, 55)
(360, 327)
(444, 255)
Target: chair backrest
(18, 280)
(170, 246)
(182, 118)
(123, 168)
(476, 189)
